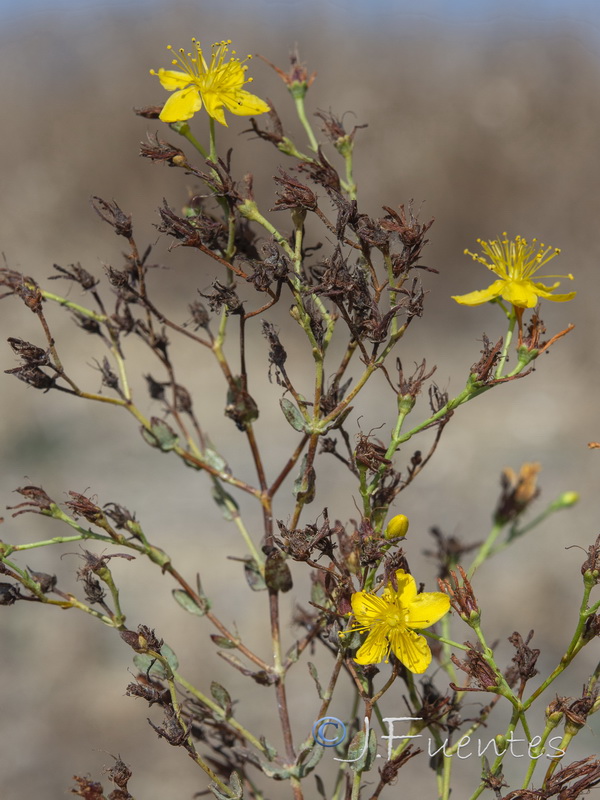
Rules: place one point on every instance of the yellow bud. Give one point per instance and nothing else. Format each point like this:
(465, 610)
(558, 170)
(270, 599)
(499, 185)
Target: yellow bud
(566, 500)
(353, 563)
(397, 527)
(569, 498)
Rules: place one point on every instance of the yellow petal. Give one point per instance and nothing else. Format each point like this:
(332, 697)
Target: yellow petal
(171, 80)
(214, 106)
(521, 293)
(243, 103)
(477, 298)
(367, 608)
(375, 648)
(181, 105)
(407, 587)
(426, 609)
(411, 649)
(544, 291)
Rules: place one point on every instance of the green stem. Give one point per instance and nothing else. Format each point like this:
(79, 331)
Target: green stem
(300, 110)
(550, 726)
(512, 319)
(350, 184)
(258, 557)
(249, 210)
(184, 130)
(213, 140)
(380, 514)
(444, 782)
(486, 548)
(85, 312)
(356, 785)
(105, 575)
(59, 540)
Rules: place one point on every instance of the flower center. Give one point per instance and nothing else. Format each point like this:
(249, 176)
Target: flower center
(395, 617)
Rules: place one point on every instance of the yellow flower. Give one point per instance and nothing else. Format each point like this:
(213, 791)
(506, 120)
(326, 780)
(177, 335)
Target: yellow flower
(397, 527)
(217, 85)
(515, 261)
(390, 620)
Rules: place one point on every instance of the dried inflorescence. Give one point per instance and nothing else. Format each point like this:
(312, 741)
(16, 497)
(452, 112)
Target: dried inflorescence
(479, 670)
(518, 492)
(143, 640)
(462, 596)
(114, 216)
(485, 368)
(157, 149)
(524, 659)
(37, 501)
(592, 563)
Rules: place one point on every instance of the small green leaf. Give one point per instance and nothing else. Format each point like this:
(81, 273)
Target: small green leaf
(172, 659)
(313, 672)
(365, 759)
(222, 697)
(253, 577)
(320, 787)
(236, 784)
(293, 416)
(190, 605)
(277, 573)
(304, 485)
(218, 794)
(293, 654)
(227, 505)
(338, 421)
(315, 755)
(145, 662)
(351, 640)
(317, 593)
(270, 751)
(278, 773)
(223, 641)
(160, 435)
(215, 460)
(241, 407)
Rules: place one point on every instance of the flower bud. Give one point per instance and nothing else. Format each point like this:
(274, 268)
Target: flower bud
(554, 713)
(397, 527)
(566, 500)
(406, 403)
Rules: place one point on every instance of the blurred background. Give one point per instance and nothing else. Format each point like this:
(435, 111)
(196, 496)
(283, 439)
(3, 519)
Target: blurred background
(487, 115)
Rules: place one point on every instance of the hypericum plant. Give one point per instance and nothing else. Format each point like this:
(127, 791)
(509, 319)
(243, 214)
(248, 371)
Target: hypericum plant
(360, 287)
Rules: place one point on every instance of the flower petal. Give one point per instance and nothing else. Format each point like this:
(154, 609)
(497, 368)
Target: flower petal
(368, 608)
(427, 608)
(376, 646)
(477, 298)
(521, 293)
(411, 649)
(214, 106)
(181, 105)
(243, 103)
(545, 291)
(171, 80)
(407, 587)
